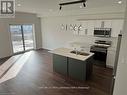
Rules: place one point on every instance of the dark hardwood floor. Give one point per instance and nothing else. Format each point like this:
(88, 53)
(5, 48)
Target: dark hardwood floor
(2, 60)
(37, 74)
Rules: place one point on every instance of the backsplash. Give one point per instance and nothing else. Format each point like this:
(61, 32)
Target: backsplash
(89, 40)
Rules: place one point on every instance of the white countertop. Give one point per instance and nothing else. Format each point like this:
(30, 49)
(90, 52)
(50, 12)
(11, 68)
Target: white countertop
(66, 52)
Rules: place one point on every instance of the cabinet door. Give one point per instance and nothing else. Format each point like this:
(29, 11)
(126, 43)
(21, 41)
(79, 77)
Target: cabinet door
(77, 69)
(103, 24)
(97, 23)
(84, 29)
(117, 26)
(90, 28)
(74, 27)
(60, 64)
(110, 58)
(107, 23)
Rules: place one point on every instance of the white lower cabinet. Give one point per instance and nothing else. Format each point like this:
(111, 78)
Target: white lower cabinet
(110, 58)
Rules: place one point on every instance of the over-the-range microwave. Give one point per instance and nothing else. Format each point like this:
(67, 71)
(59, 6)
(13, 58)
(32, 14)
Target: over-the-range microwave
(102, 32)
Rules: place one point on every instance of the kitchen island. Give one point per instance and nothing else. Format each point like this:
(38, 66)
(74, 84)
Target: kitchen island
(74, 64)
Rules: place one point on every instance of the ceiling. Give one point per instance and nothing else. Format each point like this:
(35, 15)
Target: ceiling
(51, 7)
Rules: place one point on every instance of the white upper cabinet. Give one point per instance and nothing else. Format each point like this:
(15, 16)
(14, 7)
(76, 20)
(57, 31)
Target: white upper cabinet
(84, 28)
(107, 24)
(90, 27)
(117, 26)
(97, 23)
(87, 27)
(103, 23)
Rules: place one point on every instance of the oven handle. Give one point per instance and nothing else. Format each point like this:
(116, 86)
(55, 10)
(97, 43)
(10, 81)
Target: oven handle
(94, 51)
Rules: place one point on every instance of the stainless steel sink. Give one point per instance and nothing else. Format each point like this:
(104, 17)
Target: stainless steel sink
(79, 53)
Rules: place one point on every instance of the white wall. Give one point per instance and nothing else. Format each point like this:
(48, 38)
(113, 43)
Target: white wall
(53, 37)
(121, 77)
(5, 37)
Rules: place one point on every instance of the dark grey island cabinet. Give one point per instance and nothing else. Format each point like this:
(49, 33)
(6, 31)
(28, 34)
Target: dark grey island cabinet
(60, 64)
(73, 68)
(80, 70)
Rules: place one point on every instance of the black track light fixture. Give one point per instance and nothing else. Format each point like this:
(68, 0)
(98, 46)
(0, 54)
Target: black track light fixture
(74, 2)
(60, 7)
(84, 4)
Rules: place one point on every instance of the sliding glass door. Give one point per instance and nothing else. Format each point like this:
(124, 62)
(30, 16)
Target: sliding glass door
(16, 37)
(28, 37)
(22, 37)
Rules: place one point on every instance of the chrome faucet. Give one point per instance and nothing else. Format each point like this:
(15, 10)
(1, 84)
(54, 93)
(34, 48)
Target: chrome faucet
(76, 51)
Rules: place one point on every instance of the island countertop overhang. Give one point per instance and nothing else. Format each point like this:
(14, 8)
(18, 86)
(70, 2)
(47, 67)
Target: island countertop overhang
(67, 53)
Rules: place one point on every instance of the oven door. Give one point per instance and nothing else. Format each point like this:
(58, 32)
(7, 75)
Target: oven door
(99, 53)
(101, 56)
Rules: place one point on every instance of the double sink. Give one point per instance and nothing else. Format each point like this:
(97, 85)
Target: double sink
(80, 53)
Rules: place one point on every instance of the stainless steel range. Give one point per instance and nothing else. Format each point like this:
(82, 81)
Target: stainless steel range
(100, 49)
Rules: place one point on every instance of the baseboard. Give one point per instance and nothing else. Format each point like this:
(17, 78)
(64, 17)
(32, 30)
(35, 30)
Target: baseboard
(46, 49)
(38, 49)
(108, 66)
(42, 49)
(3, 58)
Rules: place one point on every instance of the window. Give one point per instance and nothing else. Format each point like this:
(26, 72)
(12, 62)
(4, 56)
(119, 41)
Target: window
(22, 37)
